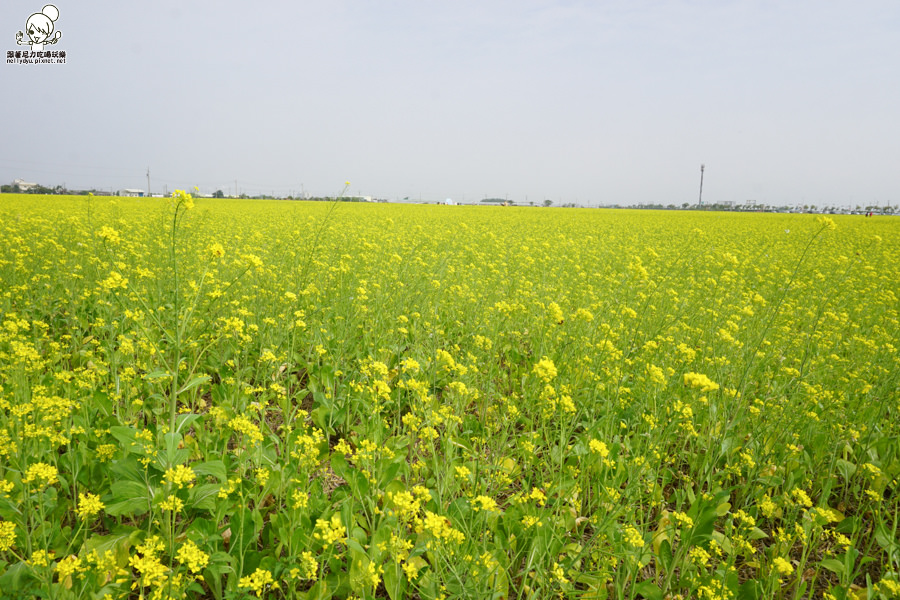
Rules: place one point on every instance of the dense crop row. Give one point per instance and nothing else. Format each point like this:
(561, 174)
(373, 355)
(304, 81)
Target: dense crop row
(225, 399)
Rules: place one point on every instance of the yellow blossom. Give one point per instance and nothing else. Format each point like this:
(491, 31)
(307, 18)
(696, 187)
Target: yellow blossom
(7, 535)
(191, 555)
(68, 566)
(41, 474)
(633, 537)
(257, 582)
(782, 566)
(485, 503)
(700, 381)
(598, 447)
(180, 476)
(89, 506)
(545, 370)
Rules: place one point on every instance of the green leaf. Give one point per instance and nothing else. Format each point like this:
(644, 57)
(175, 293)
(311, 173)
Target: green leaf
(125, 435)
(664, 554)
(355, 546)
(649, 590)
(158, 374)
(846, 468)
(127, 469)
(16, 577)
(124, 536)
(214, 468)
(194, 383)
(596, 586)
(127, 490)
(174, 455)
(129, 498)
(322, 417)
(129, 508)
(340, 467)
(499, 582)
(757, 534)
(884, 538)
(360, 483)
(389, 473)
(243, 528)
(723, 541)
(833, 565)
(750, 590)
(184, 421)
(394, 582)
(204, 496)
(319, 591)
(172, 439)
(103, 402)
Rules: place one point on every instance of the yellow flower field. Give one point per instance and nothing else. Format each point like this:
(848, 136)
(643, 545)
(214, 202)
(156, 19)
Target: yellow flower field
(247, 399)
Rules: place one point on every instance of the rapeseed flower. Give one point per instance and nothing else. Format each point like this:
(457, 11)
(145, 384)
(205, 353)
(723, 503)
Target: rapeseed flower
(529, 521)
(441, 528)
(485, 503)
(7, 535)
(308, 568)
(242, 424)
(257, 582)
(41, 474)
(89, 506)
(656, 375)
(889, 587)
(190, 554)
(633, 537)
(683, 519)
(545, 370)
(180, 476)
(40, 558)
(782, 566)
(109, 235)
(68, 566)
(182, 199)
(598, 447)
(700, 381)
(330, 532)
(172, 503)
(699, 556)
(801, 497)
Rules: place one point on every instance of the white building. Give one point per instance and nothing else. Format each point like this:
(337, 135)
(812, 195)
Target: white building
(131, 193)
(24, 186)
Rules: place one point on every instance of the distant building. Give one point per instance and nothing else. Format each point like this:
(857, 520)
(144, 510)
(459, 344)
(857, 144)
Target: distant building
(24, 185)
(130, 193)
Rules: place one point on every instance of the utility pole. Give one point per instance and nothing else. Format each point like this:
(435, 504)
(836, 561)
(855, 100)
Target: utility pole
(148, 182)
(702, 168)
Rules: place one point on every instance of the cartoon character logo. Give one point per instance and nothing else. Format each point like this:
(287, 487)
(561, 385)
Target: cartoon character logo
(40, 29)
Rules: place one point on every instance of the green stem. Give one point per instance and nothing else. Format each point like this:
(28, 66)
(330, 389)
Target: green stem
(173, 400)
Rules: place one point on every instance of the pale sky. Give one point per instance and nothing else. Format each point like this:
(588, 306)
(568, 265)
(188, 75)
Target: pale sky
(595, 102)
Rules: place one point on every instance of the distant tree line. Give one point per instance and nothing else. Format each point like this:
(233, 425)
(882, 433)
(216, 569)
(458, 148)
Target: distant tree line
(37, 189)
